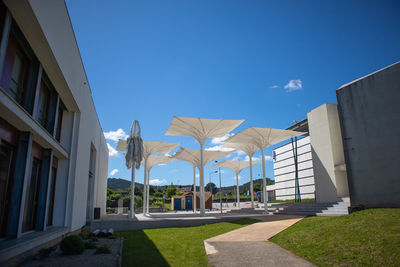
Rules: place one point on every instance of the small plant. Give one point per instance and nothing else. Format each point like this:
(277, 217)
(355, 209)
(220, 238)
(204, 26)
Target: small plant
(103, 250)
(85, 233)
(72, 244)
(93, 238)
(90, 244)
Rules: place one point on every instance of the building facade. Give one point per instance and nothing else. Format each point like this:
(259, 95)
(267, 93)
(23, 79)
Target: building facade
(370, 121)
(53, 154)
(285, 170)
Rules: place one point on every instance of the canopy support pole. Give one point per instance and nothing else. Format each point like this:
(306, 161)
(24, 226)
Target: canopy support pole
(264, 181)
(145, 186)
(202, 211)
(251, 181)
(132, 203)
(237, 190)
(194, 190)
(148, 193)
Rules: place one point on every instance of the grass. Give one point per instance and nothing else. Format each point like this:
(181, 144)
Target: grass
(172, 246)
(366, 238)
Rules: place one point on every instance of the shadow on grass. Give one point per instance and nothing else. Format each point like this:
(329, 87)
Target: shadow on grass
(140, 250)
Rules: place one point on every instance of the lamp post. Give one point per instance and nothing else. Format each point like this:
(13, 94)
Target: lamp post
(211, 189)
(220, 187)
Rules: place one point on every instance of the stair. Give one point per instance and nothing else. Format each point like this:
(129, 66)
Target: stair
(311, 208)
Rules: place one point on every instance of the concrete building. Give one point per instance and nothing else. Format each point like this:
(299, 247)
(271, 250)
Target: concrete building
(53, 155)
(327, 154)
(370, 121)
(320, 165)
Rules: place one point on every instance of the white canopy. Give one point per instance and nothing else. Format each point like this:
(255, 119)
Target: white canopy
(262, 138)
(249, 149)
(236, 166)
(154, 160)
(149, 147)
(201, 130)
(193, 156)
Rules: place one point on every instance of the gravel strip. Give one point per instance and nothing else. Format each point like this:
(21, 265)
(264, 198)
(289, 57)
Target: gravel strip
(87, 259)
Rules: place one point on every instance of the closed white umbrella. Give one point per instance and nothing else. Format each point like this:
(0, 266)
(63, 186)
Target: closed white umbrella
(236, 166)
(263, 138)
(133, 157)
(249, 149)
(149, 147)
(194, 158)
(201, 130)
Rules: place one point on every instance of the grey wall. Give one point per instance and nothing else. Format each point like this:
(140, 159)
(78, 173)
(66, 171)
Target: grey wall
(369, 110)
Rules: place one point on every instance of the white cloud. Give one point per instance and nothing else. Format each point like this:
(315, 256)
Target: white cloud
(220, 140)
(234, 178)
(218, 148)
(111, 151)
(267, 158)
(197, 175)
(115, 135)
(294, 85)
(113, 172)
(274, 86)
(157, 181)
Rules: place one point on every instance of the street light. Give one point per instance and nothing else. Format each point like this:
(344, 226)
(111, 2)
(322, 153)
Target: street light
(209, 182)
(220, 187)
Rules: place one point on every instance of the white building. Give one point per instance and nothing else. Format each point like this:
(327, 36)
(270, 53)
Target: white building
(320, 165)
(285, 171)
(53, 155)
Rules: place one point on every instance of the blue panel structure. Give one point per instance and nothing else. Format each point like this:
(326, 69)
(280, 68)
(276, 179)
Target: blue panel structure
(188, 203)
(177, 204)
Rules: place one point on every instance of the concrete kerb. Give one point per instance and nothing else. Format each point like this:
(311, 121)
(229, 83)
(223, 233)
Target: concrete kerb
(169, 222)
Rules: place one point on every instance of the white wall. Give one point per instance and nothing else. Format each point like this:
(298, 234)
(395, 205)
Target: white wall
(284, 170)
(47, 27)
(327, 152)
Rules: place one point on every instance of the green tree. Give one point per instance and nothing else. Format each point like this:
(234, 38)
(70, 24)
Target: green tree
(257, 187)
(211, 187)
(138, 192)
(151, 190)
(170, 191)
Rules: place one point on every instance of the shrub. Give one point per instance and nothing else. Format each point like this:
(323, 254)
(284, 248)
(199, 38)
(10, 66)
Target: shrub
(90, 244)
(103, 250)
(85, 233)
(72, 244)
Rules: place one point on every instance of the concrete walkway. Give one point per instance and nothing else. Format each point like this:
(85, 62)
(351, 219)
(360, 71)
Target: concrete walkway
(249, 246)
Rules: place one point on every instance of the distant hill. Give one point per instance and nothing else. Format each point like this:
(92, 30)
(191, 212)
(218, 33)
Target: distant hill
(118, 183)
(122, 184)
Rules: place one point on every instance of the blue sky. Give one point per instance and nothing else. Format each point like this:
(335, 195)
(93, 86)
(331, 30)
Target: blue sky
(269, 62)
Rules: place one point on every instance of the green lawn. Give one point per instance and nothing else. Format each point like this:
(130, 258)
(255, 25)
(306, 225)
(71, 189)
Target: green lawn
(173, 246)
(366, 238)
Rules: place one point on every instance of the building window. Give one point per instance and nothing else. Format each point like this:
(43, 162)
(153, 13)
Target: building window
(6, 161)
(61, 109)
(20, 69)
(19, 72)
(44, 99)
(32, 195)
